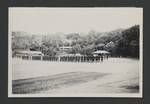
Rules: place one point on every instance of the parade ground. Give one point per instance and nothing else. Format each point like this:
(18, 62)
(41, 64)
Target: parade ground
(114, 75)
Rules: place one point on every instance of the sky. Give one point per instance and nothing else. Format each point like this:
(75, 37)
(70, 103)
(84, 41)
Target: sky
(69, 20)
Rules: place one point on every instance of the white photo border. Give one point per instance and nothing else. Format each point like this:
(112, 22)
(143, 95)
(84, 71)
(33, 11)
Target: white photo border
(130, 95)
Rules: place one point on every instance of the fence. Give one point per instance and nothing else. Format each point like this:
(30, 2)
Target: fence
(66, 58)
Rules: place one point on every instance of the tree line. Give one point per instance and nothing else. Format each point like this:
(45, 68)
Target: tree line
(121, 42)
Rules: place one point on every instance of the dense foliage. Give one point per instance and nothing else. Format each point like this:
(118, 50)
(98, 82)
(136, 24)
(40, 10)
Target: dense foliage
(121, 42)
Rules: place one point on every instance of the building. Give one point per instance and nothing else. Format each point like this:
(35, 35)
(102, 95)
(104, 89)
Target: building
(65, 48)
(20, 53)
(100, 53)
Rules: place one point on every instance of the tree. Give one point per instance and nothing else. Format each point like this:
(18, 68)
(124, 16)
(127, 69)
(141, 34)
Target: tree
(111, 47)
(128, 45)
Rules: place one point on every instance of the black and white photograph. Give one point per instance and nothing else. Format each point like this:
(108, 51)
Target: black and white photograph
(75, 52)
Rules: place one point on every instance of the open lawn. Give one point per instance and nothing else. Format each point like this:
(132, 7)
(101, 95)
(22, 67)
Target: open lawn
(115, 75)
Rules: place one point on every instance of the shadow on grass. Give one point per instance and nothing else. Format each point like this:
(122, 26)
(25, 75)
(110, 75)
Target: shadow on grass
(35, 85)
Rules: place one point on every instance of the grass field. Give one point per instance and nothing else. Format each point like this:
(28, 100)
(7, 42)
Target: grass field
(115, 75)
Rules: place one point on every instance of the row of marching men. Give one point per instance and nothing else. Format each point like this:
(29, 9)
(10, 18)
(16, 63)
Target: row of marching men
(77, 58)
(70, 58)
(83, 58)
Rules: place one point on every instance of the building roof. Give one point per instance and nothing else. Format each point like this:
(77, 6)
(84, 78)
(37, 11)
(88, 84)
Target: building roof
(66, 54)
(29, 52)
(66, 47)
(101, 52)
